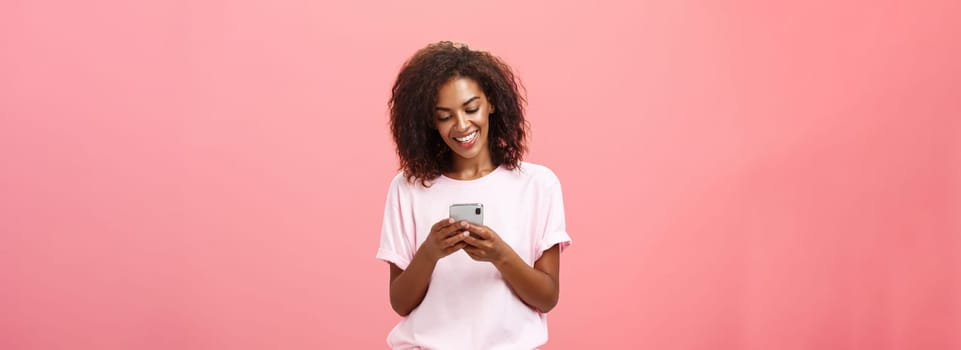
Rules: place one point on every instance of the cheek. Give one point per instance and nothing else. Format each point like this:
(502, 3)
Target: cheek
(442, 130)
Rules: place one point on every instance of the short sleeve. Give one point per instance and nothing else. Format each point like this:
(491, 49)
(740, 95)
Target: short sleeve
(555, 227)
(396, 233)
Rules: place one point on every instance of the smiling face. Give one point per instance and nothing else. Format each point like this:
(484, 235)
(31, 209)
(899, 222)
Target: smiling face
(461, 117)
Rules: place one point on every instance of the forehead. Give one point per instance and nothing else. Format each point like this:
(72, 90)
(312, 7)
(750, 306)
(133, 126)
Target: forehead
(457, 90)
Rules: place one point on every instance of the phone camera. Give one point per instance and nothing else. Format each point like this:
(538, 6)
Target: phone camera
(477, 211)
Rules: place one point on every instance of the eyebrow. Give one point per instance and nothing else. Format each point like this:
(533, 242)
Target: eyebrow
(439, 108)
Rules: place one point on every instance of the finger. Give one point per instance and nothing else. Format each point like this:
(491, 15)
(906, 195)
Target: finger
(453, 239)
(444, 229)
(450, 250)
(441, 224)
(483, 231)
(474, 253)
(453, 229)
(473, 242)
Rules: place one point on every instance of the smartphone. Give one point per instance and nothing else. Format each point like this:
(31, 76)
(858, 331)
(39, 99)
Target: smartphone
(471, 212)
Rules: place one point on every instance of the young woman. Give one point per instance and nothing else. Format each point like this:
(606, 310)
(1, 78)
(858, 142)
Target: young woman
(457, 119)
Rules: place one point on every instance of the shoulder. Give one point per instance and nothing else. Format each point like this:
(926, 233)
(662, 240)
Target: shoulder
(400, 183)
(399, 179)
(538, 173)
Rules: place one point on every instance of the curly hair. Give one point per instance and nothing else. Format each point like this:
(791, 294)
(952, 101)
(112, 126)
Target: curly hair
(423, 154)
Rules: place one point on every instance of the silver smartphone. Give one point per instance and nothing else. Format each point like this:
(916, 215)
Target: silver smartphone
(471, 212)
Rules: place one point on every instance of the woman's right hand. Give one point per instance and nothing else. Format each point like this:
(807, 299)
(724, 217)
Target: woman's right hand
(445, 238)
(409, 286)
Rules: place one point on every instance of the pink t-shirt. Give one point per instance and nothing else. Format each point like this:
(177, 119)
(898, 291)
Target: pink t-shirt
(468, 304)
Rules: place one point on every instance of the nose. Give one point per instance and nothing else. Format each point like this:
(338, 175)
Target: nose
(462, 123)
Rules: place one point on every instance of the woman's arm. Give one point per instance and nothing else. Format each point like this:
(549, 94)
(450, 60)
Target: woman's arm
(537, 286)
(408, 287)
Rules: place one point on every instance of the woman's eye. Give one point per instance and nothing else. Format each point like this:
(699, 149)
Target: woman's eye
(443, 118)
(472, 111)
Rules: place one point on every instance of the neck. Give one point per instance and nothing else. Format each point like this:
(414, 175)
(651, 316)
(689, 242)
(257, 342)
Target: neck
(465, 169)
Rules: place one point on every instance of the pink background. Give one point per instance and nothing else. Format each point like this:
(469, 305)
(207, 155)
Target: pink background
(738, 174)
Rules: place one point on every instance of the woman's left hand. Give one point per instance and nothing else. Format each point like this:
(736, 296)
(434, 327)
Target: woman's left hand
(485, 245)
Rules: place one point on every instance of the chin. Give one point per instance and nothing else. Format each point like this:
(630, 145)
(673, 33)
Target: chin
(466, 155)
(474, 152)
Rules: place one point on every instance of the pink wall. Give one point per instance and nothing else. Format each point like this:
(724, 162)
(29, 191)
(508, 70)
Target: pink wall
(738, 174)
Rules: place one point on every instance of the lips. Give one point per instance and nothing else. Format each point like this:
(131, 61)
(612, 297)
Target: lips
(470, 137)
(467, 141)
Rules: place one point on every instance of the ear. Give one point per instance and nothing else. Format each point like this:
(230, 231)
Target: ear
(491, 108)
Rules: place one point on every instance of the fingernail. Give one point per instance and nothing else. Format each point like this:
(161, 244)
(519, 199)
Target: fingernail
(450, 220)
(466, 233)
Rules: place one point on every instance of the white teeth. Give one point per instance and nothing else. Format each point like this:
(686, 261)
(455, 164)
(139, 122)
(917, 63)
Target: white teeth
(467, 138)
